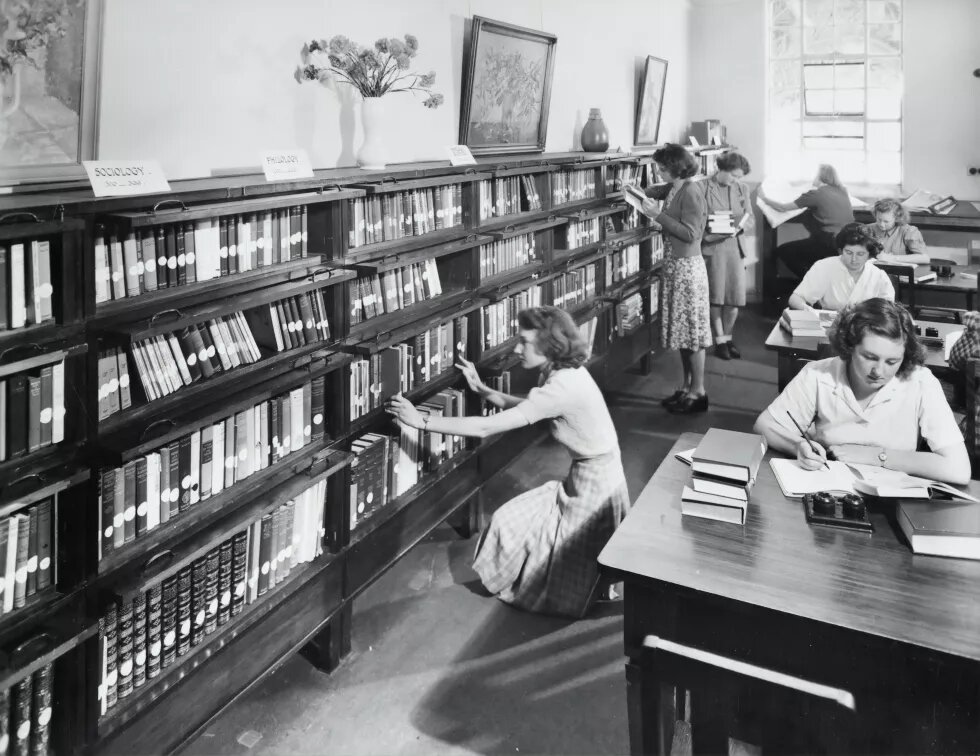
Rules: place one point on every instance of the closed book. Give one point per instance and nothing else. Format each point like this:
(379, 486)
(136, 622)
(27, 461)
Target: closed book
(175, 477)
(190, 253)
(224, 581)
(33, 413)
(4, 545)
(125, 649)
(719, 488)
(317, 399)
(153, 491)
(730, 455)
(58, 402)
(119, 508)
(941, 528)
(45, 540)
(122, 365)
(184, 472)
(148, 243)
(184, 619)
(18, 286)
(198, 600)
(43, 289)
(239, 576)
(47, 399)
(139, 640)
(168, 622)
(141, 497)
(712, 507)
(5, 287)
(20, 558)
(154, 630)
(41, 709)
(31, 587)
(20, 717)
(211, 592)
(165, 485)
(207, 456)
(129, 501)
(109, 632)
(265, 553)
(181, 254)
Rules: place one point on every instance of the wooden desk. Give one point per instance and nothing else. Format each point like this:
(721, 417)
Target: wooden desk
(900, 632)
(793, 353)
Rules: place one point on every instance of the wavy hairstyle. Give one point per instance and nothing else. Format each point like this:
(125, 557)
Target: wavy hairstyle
(677, 160)
(733, 160)
(889, 205)
(828, 175)
(854, 234)
(881, 317)
(558, 337)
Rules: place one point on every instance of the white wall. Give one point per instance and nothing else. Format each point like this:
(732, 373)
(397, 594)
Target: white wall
(205, 85)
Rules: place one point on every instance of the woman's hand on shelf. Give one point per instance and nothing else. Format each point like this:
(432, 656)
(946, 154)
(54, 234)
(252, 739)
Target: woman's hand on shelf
(473, 380)
(404, 411)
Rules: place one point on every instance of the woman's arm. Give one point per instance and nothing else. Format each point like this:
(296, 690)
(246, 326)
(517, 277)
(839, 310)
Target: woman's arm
(477, 386)
(500, 399)
(797, 302)
(811, 457)
(473, 426)
(949, 465)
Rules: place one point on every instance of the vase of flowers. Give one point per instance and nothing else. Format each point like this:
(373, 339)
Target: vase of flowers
(374, 72)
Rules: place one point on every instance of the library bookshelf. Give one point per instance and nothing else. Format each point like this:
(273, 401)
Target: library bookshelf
(197, 476)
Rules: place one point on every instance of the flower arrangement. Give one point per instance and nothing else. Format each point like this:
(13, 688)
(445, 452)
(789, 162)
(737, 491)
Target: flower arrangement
(26, 27)
(374, 72)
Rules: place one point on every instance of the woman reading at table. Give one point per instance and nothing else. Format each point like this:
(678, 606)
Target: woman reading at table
(845, 279)
(873, 404)
(900, 241)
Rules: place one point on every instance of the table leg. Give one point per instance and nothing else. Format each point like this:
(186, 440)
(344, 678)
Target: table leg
(650, 710)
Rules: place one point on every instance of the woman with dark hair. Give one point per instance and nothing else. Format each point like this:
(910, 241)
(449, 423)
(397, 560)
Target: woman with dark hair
(540, 551)
(900, 242)
(845, 279)
(684, 319)
(724, 256)
(830, 209)
(872, 404)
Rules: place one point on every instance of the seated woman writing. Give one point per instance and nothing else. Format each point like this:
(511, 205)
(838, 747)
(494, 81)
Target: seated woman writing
(900, 242)
(845, 279)
(873, 404)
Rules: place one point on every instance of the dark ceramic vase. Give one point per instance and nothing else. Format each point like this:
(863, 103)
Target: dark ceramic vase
(595, 137)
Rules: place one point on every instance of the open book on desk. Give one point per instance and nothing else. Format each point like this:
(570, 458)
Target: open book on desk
(854, 478)
(921, 272)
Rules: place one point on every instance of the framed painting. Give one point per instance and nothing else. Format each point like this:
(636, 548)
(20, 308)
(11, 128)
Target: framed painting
(506, 88)
(49, 72)
(650, 102)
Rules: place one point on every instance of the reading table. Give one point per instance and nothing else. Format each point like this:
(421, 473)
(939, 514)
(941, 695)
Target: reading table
(888, 637)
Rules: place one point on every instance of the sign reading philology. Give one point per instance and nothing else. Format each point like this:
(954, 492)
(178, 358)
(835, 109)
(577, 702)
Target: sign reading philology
(280, 165)
(119, 178)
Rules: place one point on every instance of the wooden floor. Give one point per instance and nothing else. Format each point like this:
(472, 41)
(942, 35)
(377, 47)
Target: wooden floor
(437, 667)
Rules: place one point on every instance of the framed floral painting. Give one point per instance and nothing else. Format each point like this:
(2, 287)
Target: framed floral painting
(650, 103)
(506, 88)
(49, 69)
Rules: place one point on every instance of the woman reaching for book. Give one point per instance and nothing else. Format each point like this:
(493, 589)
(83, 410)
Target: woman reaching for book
(540, 550)
(872, 404)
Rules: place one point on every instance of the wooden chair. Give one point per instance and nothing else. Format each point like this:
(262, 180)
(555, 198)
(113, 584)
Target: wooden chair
(777, 712)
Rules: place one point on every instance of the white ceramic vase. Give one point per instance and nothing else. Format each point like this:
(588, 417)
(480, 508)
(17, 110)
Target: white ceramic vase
(373, 156)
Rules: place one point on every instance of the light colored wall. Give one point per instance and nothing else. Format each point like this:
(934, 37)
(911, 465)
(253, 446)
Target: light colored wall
(204, 86)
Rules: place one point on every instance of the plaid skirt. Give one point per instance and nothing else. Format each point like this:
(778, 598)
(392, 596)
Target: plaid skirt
(541, 549)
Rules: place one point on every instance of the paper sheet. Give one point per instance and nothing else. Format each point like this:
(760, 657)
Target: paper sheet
(920, 199)
(795, 481)
(776, 217)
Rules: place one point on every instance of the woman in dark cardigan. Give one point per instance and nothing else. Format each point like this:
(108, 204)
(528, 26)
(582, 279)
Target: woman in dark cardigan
(684, 322)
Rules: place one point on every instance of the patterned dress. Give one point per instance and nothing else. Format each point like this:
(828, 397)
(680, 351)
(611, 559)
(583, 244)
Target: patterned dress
(685, 317)
(541, 549)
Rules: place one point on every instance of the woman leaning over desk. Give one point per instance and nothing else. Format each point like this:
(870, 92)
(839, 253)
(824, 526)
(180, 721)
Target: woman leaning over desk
(848, 278)
(872, 404)
(541, 549)
(684, 319)
(900, 242)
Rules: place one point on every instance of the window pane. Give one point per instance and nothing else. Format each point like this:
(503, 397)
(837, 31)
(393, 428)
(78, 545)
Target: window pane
(818, 40)
(885, 39)
(785, 12)
(818, 75)
(785, 43)
(818, 12)
(849, 75)
(784, 105)
(884, 104)
(849, 13)
(884, 10)
(849, 40)
(849, 102)
(833, 128)
(833, 143)
(885, 72)
(819, 102)
(784, 74)
(886, 137)
(885, 167)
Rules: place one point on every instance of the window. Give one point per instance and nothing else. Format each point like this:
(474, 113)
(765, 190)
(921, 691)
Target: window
(835, 89)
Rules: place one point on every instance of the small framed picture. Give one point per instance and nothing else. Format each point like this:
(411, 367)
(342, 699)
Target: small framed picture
(650, 102)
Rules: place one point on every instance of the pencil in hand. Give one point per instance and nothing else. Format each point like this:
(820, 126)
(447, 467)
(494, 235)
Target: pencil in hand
(806, 438)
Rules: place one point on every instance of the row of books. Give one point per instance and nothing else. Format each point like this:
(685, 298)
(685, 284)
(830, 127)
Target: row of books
(499, 383)
(574, 287)
(498, 321)
(386, 466)
(654, 297)
(393, 290)
(507, 254)
(32, 410)
(724, 467)
(26, 712)
(398, 215)
(656, 248)
(27, 549)
(578, 233)
(139, 639)
(572, 186)
(629, 314)
(158, 487)
(507, 196)
(625, 173)
(404, 366)
(130, 262)
(26, 285)
(622, 264)
(291, 322)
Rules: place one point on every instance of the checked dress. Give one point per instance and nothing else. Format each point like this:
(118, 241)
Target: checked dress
(541, 548)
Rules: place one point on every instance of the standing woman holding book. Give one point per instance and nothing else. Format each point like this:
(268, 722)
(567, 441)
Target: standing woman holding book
(724, 256)
(684, 321)
(540, 551)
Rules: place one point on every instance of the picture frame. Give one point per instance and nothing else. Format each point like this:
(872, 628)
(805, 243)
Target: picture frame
(49, 111)
(506, 88)
(650, 101)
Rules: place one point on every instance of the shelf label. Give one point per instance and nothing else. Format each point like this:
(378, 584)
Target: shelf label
(121, 178)
(281, 165)
(459, 154)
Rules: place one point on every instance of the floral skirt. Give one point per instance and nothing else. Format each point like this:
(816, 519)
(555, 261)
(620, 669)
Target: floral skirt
(685, 315)
(541, 549)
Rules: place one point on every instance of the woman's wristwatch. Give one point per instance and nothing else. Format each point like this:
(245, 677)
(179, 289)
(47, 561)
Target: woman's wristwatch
(882, 456)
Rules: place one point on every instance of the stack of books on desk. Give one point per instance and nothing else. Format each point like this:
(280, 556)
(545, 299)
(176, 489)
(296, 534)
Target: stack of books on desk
(800, 323)
(723, 471)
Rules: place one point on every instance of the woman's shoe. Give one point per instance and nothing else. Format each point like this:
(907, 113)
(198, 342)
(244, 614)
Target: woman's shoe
(735, 354)
(723, 351)
(689, 405)
(673, 399)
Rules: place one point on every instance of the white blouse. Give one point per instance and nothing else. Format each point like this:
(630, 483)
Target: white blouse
(832, 284)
